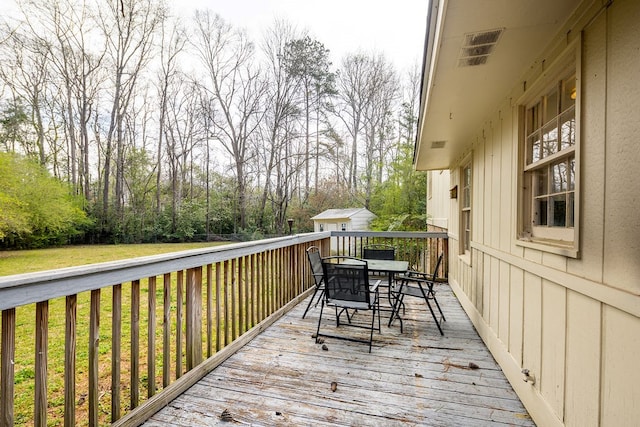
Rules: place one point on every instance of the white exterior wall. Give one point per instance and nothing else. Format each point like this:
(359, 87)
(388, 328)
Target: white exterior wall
(438, 199)
(361, 221)
(574, 323)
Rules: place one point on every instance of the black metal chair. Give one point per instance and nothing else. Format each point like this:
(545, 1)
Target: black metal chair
(347, 287)
(313, 254)
(383, 252)
(419, 285)
(379, 251)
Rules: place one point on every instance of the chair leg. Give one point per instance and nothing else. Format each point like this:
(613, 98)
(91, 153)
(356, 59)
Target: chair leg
(433, 296)
(312, 298)
(427, 296)
(376, 308)
(395, 312)
(435, 318)
(378, 303)
(319, 320)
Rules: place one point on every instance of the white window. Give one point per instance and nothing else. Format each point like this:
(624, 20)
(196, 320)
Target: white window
(465, 209)
(550, 164)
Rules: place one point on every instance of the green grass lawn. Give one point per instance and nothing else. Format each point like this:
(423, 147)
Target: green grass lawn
(28, 261)
(16, 262)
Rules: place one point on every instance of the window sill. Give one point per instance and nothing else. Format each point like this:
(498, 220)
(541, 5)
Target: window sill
(465, 258)
(552, 246)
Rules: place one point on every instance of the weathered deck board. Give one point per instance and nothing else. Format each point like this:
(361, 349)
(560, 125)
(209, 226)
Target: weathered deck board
(418, 377)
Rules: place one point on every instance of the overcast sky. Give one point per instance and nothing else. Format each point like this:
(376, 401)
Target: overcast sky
(396, 28)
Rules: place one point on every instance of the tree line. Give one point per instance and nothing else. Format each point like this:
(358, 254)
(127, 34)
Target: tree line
(156, 127)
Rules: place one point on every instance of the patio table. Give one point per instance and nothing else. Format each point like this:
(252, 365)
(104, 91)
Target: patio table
(387, 267)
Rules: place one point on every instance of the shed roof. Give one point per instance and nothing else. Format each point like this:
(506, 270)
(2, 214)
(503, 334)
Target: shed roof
(342, 213)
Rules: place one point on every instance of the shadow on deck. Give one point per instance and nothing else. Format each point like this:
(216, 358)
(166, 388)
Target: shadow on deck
(283, 377)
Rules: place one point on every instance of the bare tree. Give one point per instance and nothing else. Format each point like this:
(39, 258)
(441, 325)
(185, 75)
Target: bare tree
(354, 96)
(234, 83)
(409, 107)
(378, 120)
(25, 70)
(184, 129)
(281, 110)
(128, 27)
(63, 26)
(367, 92)
(173, 41)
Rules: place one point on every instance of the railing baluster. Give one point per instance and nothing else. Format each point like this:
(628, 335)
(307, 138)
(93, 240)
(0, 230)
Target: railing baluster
(269, 283)
(135, 343)
(151, 337)
(42, 329)
(166, 330)
(261, 294)
(194, 317)
(8, 373)
(252, 282)
(241, 295)
(278, 277)
(219, 267)
(116, 350)
(179, 323)
(234, 301)
(247, 296)
(225, 301)
(71, 308)
(209, 311)
(94, 344)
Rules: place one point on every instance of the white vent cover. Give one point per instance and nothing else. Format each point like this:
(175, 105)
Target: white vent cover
(477, 47)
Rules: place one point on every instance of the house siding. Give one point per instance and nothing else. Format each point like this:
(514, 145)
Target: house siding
(573, 322)
(438, 201)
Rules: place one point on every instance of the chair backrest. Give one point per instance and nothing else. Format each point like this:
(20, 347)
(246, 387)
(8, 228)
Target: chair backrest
(348, 282)
(313, 253)
(385, 252)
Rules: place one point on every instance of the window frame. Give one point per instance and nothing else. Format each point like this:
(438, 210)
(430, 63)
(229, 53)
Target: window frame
(465, 203)
(562, 240)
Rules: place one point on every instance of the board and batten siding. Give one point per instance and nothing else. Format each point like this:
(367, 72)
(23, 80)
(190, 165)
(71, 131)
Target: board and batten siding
(573, 322)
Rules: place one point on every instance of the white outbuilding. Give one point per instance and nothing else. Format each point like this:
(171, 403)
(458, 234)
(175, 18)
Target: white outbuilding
(353, 219)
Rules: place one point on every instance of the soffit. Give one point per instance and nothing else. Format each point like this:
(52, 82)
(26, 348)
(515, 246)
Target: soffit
(457, 100)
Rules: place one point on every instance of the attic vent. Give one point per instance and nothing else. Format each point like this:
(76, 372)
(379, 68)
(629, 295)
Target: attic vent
(477, 47)
(438, 144)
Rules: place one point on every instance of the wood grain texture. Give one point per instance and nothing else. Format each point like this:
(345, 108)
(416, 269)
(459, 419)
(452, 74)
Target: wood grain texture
(42, 347)
(151, 337)
(135, 344)
(94, 352)
(70, 361)
(8, 372)
(116, 351)
(282, 377)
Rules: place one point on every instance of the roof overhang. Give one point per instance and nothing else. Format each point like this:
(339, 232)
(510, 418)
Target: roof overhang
(456, 97)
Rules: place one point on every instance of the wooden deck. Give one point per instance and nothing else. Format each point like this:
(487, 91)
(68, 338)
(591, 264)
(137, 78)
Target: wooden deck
(283, 377)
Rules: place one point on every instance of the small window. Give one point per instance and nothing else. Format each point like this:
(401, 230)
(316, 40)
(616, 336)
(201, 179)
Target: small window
(465, 209)
(321, 227)
(343, 226)
(550, 164)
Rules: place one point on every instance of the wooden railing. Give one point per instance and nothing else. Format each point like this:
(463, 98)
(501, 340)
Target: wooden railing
(114, 342)
(421, 249)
